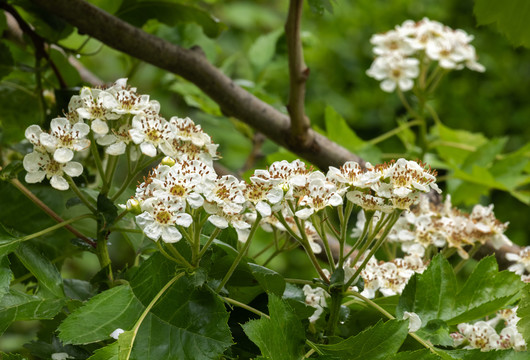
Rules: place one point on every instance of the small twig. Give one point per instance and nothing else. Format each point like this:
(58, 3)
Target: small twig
(255, 153)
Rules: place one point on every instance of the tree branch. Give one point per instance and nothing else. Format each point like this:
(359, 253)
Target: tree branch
(194, 67)
(298, 74)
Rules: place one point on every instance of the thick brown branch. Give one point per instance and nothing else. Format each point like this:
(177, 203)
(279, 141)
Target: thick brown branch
(194, 67)
(298, 73)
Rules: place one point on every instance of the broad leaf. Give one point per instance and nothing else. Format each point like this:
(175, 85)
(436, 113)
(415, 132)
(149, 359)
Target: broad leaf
(434, 294)
(17, 305)
(8, 242)
(456, 145)
(109, 352)
(6, 59)
(50, 280)
(280, 337)
(424, 354)
(378, 342)
(511, 18)
(264, 48)
(100, 316)
(320, 6)
(5, 276)
(269, 279)
(476, 354)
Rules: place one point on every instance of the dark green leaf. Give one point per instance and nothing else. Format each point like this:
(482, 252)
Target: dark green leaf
(437, 332)
(523, 311)
(109, 352)
(424, 354)
(320, 6)
(5, 276)
(170, 13)
(50, 280)
(269, 279)
(17, 305)
(45, 23)
(280, 337)
(378, 342)
(100, 316)
(511, 18)
(6, 59)
(107, 210)
(5, 356)
(11, 170)
(19, 107)
(8, 242)
(78, 289)
(476, 354)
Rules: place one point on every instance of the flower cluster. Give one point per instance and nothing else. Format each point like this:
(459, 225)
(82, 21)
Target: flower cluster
(401, 53)
(443, 225)
(483, 334)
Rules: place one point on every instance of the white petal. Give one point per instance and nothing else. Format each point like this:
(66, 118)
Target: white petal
(195, 200)
(144, 219)
(116, 333)
(148, 149)
(106, 140)
(242, 234)
(275, 195)
(218, 221)
(73, 168)
(59, 124)
(153, 231)
(388, 85)
(184, 220)
(304, 213)
(35, 177)
(170, 234)
(31, 161)
(100, 127)
(263, 208)
(82, 129)
(63, 155)
(414, 321)
(48, 140)
(116, 149)
(59, 183)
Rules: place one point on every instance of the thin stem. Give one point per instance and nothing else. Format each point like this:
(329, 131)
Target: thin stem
(164, 252)
(299, 281)
(146, 311)
(178, 256)
(196, 248)
(97, 159)
(272, 256)
(80, 195)
(54, 227)
(49, 211)
(471, 253)
(209, 242)
(262, 251)
(308, 250)
(324, 237)
(406, 104)
(112, 162)
(343, 230)
(244, 306)
(242, 253)
(395, 131)
(391, 317)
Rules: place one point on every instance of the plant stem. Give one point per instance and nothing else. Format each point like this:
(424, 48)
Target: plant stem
(463, 262)
(97, 160)
(49, 211)
(209, 242)
(54, 227)
(146, 311)
(324, 238)
(80, 195)
(178, 256)
(109, 172)
(242, 253)
(102, 250)
(334, 309)
(393, 132)
(244, 306)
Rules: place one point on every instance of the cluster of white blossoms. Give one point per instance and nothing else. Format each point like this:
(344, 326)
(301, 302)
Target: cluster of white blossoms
(316, 298)
(482, 334)
(403, 51)
(521, 263)
(286, 190)
(443, 225)
(117, 118)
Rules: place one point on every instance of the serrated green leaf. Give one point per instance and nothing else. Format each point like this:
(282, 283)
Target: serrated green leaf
(109, 352)
(17, 305)
(510, 17)
(280, 337)
(50, 280)
(263, 49)
(8, 241)
(485, 291)
(485, 155)
(437, 332)
(6, 276)
(476, 354)
(269, 279)
(6, 59)
(338, 129)
(321, 6)
(456, 145)
(378, 342)
(523, 311)
(170, 13)
(424, 354)
(100, 316)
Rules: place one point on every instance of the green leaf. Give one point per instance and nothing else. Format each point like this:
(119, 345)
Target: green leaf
(338, 129)
(485, 291)
(100, 316)
(6, 276)
(320, 6)
(69, 74)
(6, 59)
(20, 109)
(434, 294)
(378, 342)
(523, 311)
(5, 356)
(45, 23)
(50, 280)
(269, 279)
(510, 17)
(437, 332)
(109, 352)
(476, 354)
(485, 154)
(17, 305)
(109, 6)
(107, 210)
(193, 96)
(12, 170)
(280, 337)
(263, 49)
(456, 145)
(170, 13)
(8, 242)
(424, 354)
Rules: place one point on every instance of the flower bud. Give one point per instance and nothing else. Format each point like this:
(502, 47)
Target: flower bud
(169, 161)
(133, 206)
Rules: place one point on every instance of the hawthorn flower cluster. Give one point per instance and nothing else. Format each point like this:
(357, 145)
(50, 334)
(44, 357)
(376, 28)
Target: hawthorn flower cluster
(443, 225)
(403, 51)
(116, 117)
(483, 334)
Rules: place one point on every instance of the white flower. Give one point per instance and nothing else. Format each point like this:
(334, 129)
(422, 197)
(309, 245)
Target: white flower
(158, 220)
(40, 165)
(391, 42)
(116, 142)
(315, 297)
(97, 106)
(320, 193)
(395, 71)
(522, 261)
(64, 139)
(414, 321)
(227, 194)
(149, 131)
(116, 333)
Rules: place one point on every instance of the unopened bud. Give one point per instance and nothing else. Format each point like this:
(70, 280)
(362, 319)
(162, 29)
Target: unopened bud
(169, 161)
(133, 206)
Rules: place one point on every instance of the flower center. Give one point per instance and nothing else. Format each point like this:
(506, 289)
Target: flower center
(163, 217)
(178, 190)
